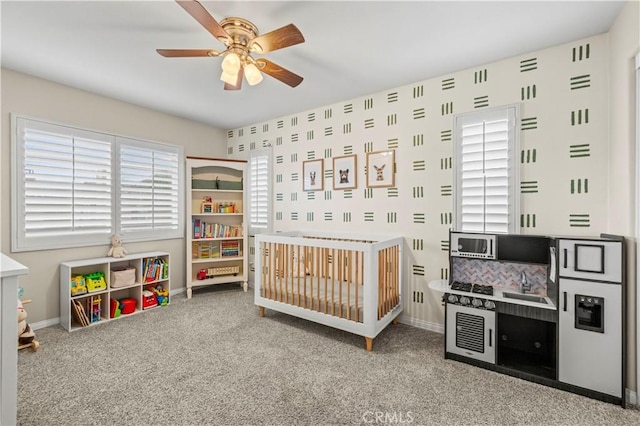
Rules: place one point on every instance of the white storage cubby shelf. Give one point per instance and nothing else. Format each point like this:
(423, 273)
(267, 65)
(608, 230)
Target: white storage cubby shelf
(145, 279)
(216, 225)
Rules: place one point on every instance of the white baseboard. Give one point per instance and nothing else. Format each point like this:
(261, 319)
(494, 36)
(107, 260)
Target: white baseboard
(42, 324)
(177, 291)
(426, 325)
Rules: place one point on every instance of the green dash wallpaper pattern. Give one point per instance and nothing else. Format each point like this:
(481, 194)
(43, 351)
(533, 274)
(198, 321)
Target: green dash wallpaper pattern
(562, 92)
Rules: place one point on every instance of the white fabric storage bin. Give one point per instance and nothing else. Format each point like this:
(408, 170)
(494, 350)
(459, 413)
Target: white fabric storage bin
(123, 277)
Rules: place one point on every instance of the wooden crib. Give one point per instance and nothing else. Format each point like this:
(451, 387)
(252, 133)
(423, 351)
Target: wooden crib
(349, 282)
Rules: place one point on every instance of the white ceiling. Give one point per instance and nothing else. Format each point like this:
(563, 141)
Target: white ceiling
(352, 49)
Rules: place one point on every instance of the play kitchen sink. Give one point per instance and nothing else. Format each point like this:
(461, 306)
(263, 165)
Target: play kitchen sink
(526, 297)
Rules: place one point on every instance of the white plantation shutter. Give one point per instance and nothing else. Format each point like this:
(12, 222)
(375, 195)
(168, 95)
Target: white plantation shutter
(73, 187)
(149, 190)
(486, 171)
(259, 195)
(65, 178)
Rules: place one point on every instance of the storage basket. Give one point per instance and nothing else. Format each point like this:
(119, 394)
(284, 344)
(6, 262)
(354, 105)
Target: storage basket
(203, 184)
(123, 277)
(229, 185)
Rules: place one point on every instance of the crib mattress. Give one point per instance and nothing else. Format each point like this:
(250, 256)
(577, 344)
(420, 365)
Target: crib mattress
(318, 296)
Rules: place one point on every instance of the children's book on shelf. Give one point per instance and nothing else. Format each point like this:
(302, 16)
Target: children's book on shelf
(155, 269)
(203, 229)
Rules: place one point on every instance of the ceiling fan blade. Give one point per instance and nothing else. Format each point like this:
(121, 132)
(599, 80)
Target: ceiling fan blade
(200, 14)
(286, 36)
(279, 73)
(238, 84)
(183, 53)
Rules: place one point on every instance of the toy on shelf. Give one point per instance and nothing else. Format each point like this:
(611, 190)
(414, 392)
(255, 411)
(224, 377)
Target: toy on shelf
(95, 281)
(148, 299)
(78, 285)
(94, 308)
(114, 311)
(161, 293)
(26, 336)
(116, 249)
(204, 274)
(207, 205)
(127, 305)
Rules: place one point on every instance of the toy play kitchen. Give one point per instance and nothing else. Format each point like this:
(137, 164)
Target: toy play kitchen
(545, 309)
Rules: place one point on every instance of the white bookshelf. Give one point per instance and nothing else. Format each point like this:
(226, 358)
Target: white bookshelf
(216, 249)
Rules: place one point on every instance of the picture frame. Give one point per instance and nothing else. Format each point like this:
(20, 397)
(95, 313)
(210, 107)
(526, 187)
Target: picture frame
(381, 169)
(313, 175)
(345, 174)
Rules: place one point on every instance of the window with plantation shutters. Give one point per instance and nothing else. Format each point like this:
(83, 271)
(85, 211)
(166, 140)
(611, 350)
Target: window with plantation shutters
(73, 187)
(149, 189)
(486, 171)
(259, 196)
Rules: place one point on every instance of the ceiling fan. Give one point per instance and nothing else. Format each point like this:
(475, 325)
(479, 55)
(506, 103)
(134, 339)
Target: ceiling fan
(241, 38)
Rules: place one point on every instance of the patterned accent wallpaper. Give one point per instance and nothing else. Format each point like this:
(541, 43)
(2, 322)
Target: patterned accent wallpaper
(563, 158)
(505, 275)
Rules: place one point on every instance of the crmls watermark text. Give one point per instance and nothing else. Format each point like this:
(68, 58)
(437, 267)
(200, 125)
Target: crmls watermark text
(387, 417)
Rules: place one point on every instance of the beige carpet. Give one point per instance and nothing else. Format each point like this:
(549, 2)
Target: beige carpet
(212, 360)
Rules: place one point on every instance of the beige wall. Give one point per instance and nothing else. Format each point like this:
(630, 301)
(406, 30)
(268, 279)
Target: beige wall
(624, 41)
(37, 98)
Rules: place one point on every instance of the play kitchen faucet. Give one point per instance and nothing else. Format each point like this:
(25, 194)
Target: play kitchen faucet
(523, 285)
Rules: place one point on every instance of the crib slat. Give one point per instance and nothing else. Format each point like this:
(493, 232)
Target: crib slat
(280, 268)
(296, 263)
(326, 278)
(270, 270)
(380, 283)
(317, 272)
(306, 259)
(395, 276)
(341, 267)
(385, 282)
(334, 265)
(358, 276)
(263, 271)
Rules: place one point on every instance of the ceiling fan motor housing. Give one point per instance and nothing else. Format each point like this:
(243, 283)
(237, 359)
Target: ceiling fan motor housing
(240, 31)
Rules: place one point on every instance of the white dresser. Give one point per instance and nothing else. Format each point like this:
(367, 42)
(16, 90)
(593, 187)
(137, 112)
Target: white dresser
(10, 270)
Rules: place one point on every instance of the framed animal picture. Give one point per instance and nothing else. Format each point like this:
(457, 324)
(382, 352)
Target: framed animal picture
(313, 175)
(344, 172)
(380, 169)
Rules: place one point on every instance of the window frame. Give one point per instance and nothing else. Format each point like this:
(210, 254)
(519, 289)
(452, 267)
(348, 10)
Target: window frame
(260, 152)
(20, 242)
(512, 112)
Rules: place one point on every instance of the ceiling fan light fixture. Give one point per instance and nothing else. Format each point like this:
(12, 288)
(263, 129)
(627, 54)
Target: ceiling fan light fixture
(231, 63)
(252, 74)
(229, 78)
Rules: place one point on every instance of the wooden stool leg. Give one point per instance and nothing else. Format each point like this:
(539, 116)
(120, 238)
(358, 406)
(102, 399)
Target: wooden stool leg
(395, 321)
(369, 343)
(261, 311)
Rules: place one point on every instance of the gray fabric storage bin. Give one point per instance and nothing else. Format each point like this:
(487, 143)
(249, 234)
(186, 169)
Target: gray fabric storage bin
(227, 184)
(203, 184)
